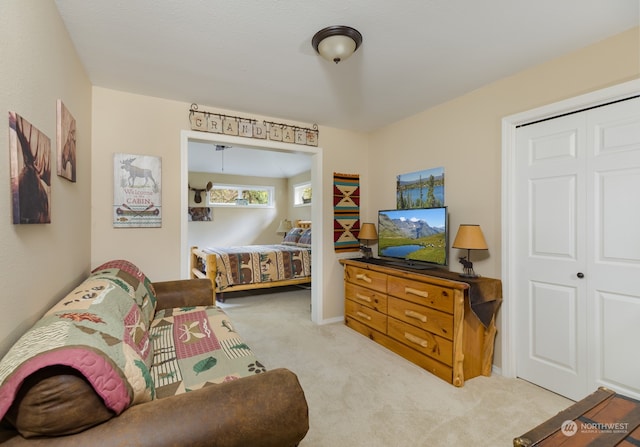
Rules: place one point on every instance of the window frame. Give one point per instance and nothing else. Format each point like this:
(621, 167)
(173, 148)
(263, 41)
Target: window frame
(241, 188)
(298, 191)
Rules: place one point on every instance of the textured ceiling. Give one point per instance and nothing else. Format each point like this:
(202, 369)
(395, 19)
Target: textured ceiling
(255, 57)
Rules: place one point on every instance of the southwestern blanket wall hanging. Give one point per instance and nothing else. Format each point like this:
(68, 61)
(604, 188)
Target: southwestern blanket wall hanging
(346, 211)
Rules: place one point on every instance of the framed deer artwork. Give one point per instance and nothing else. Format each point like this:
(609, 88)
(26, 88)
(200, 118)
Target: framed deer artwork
(30, 159)
(137, 191)
(66, 136)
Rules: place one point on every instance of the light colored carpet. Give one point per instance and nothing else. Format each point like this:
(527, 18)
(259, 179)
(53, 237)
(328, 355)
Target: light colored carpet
(361, 394)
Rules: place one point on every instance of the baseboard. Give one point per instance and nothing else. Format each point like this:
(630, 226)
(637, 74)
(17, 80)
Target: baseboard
(332, 320)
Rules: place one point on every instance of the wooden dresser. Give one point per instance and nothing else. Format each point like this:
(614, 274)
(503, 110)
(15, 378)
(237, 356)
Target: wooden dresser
(424, 318)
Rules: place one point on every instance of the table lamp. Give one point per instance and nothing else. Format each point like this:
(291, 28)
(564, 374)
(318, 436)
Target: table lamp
(469, 238)
(367, 233)
(284, 227)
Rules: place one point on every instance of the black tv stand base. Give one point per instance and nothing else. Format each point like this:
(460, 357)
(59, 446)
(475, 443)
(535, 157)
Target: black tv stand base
(409, 265)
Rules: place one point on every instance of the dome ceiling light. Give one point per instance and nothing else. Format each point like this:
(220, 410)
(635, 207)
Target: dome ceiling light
(336, 43)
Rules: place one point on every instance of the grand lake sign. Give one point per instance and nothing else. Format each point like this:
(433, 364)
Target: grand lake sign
(250, 128)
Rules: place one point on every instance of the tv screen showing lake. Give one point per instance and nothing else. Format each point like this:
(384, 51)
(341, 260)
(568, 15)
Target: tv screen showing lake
(400, 251)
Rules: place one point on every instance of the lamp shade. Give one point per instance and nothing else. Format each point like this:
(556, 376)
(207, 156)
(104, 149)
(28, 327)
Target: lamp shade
(284, 227)
(368, 232)
(336, 43)
(470, 237)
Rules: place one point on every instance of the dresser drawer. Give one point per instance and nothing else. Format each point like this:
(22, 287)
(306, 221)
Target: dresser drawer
(418, 292)
(423, 341)
(366, 297)
(366, 278)
(365, 315)
(434, 321)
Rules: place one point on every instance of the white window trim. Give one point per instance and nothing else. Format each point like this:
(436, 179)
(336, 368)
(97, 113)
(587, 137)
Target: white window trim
(297, 193)
(241, 188)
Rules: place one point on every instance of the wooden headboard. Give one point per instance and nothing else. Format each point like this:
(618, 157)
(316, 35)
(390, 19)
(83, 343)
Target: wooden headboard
(302, 224)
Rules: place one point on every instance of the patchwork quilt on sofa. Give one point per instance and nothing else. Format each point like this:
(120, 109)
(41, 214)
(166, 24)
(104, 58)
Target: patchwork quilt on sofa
(195, 347)
(107, 329)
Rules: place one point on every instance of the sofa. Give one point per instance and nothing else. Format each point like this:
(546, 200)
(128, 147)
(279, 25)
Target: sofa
(123, 361)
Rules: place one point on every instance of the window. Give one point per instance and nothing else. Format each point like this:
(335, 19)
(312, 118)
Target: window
(302, 194)
(240, 195)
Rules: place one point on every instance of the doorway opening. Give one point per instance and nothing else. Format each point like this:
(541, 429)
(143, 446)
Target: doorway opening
(316, 205)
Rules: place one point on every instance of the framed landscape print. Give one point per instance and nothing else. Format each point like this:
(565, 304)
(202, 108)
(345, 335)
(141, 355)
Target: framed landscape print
(137, 191)
(422, 189)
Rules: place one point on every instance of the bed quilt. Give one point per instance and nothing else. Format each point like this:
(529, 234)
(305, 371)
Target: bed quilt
(253, 264)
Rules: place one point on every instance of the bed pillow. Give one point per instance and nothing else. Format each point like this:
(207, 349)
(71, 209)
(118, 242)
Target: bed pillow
(305, 239)
(293, 236)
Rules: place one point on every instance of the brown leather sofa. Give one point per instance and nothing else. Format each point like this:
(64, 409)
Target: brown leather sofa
(267, 409)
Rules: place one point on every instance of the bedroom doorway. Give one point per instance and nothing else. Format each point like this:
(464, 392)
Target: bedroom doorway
(315, 153)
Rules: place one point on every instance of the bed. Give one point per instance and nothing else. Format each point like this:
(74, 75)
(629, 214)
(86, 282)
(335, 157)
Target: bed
(249, 267)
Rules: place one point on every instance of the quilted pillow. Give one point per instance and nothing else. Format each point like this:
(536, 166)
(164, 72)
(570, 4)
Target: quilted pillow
(293, 236)
(305, 239)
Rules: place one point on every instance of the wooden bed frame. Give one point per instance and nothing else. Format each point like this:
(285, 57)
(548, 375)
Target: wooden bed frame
(211, 270)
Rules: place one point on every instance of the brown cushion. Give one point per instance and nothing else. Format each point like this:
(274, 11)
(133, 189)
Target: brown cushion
(56, 401)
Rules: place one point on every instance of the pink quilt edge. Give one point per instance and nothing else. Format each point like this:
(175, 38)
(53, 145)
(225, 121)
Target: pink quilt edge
(103, 377)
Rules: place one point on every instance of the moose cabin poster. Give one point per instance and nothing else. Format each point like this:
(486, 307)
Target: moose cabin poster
(137, 191)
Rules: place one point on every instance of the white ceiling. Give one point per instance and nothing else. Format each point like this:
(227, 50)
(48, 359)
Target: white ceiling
(255, 56)
(203, 157)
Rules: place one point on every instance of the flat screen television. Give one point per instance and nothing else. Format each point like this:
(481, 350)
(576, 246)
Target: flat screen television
(415, 237)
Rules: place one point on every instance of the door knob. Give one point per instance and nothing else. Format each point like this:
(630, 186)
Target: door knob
(580, 275)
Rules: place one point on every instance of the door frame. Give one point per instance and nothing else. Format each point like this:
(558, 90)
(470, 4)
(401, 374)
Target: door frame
(509, 125)
(317, 284)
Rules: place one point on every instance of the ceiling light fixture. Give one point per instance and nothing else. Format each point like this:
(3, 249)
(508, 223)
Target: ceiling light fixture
(336, 43)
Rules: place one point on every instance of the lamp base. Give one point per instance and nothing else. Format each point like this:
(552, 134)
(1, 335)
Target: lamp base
(467, 270)
(366, 252)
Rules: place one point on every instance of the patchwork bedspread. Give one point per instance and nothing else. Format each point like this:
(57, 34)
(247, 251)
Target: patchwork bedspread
(101, 330)
(253, 264)
(196, 347)
(108, 330)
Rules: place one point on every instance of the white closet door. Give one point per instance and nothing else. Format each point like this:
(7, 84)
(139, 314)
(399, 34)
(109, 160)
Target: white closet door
(551, 252)
(613, 172)
(578, 251)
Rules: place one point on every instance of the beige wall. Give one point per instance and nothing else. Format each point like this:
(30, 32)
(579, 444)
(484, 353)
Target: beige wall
(40, 263)
(300, 212)
(239, 226)
(130, 123)
(464, 137)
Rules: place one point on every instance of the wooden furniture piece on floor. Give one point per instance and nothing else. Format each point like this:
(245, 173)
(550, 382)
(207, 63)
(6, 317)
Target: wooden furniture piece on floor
(204, 265)
(601, 419)
(426, 318)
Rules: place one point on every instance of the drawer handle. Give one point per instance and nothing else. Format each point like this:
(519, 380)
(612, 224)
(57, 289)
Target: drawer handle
(364, 277)
(363, 315)
(416, 315)
(417, 340)
(362, 297)
(412, 291)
